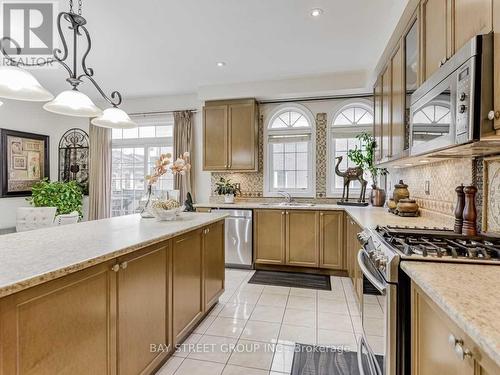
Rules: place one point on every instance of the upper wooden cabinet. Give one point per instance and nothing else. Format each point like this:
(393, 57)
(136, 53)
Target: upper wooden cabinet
(398, 93)
(377, 119)
(386, 112)
(496, 64)
(436, 42)
(230, 135)
(470, 18)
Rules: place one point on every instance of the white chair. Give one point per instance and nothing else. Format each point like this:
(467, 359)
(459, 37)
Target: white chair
(65, 219)
(30, 218)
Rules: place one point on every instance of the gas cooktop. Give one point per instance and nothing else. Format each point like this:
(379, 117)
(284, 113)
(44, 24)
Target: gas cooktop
(440, 244)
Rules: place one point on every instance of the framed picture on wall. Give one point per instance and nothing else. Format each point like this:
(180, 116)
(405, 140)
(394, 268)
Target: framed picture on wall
(24, 160)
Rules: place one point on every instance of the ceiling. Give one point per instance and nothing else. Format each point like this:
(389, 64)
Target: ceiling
(164, 47)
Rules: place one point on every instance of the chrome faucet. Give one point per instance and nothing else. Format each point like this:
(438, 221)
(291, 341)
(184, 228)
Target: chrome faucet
(286, 195)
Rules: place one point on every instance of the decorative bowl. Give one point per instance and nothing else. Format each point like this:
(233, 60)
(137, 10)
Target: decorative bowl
(162, 214)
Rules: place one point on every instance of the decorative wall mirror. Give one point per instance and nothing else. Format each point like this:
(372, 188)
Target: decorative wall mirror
(74, 158)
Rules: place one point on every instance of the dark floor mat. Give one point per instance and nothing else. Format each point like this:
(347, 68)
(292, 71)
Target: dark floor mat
(316, 360)
(291, 279)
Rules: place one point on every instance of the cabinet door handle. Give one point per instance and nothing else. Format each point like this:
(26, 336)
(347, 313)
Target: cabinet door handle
(282, 212)
(124, 265)
(493, 115)
(287, 212)
(115, 268)
(321, 214)
(208, 230)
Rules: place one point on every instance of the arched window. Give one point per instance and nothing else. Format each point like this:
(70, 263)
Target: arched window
(289, 140)
(347, 122)
(430, 122)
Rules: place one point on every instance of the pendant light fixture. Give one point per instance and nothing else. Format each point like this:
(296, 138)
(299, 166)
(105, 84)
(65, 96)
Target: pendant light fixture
(70, 102)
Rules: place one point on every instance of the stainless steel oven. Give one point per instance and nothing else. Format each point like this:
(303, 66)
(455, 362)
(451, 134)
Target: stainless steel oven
(377, 349)
(451, 107)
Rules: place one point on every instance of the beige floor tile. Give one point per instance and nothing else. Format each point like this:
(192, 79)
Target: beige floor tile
(253, 288)
(338, 322)
(331, 295)
(261, 331)
(238, 370)
(373, 311)
(240, 311)
(226, 295)
(213, 349)
(203, 326)
(332, 306)
(271, 289)
(252, 354)
(244, 297)
(184, 348)
(268, 314)
(303, 318)
(290, 335)
(276, 300)
(370, 299)
(376, 344)
(195, 367)
(301, 303)
(353, 308)
(374, 327)
(170, 366)
(303, 292)
(226, 327)
(357, 324)
(283, 358)
(337, 338)
(216, 309)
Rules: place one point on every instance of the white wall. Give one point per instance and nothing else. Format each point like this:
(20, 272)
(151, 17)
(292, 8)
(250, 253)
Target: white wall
(30, 117)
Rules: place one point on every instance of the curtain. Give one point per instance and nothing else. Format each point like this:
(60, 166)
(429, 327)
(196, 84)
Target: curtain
(183, 142)
(99, 173)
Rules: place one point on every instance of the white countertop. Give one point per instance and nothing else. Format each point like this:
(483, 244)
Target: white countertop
(366, 217)
(468, 294)
(31, 258)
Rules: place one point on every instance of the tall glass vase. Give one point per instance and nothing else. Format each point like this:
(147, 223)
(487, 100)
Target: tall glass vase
(146, 203)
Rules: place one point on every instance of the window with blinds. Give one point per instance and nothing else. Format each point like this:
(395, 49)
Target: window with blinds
(134, 152)
(289, 147)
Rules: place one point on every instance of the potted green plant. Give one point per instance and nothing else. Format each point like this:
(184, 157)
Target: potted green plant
(67, 197)
(227, 189)
(364, 157)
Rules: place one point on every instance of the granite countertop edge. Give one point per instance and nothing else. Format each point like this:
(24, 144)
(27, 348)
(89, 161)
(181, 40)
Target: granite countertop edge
(40, 278)
(469, 325)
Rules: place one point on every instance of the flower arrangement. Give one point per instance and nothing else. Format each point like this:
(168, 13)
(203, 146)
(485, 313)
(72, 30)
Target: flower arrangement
(180, 166)
(228, 189)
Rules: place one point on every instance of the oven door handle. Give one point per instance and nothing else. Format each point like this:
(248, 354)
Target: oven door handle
(374, 368)
(362, 254)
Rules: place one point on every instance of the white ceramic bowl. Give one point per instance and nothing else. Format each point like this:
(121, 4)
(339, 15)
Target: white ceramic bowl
(166, 215)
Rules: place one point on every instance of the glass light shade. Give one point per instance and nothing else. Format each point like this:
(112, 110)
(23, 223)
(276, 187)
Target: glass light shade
(19, 84)
(73, 103)
(114, 118)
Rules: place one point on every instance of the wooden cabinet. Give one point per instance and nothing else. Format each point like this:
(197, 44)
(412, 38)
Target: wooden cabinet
(142, 309)
(332, 240)
(230, 135)
(437, 343)
(187, 280)
(352, 246)
(398, 94)
(65, 326)
(386, 112)
(302, 238)
(377, 118)
(496, 64)
(470, 18)
(214, 271)
(436, 44)
(215, 138)
(269, 236)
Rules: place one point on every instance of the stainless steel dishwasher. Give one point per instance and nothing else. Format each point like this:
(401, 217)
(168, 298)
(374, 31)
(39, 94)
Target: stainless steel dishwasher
(238, 238)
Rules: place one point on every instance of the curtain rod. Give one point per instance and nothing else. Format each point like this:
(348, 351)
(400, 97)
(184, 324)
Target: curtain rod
(160, 112)
(313, 99)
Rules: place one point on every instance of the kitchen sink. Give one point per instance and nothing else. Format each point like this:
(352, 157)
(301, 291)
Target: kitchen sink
(289, 204)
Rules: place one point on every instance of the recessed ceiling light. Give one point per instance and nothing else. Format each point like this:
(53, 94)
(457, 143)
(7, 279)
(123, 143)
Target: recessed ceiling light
(316, 12)
(424, 161)
(408, 164)
(220, 64)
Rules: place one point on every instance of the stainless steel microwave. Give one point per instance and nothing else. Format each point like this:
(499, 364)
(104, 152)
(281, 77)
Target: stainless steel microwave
(451, 108)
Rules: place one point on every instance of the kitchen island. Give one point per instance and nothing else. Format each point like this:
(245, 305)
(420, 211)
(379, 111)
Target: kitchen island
(107, 296)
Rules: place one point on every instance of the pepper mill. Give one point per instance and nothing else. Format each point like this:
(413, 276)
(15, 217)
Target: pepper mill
(459, 209)
(470, 213)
